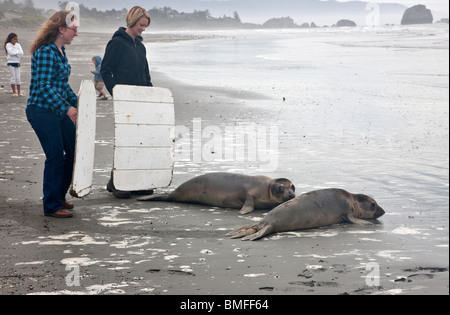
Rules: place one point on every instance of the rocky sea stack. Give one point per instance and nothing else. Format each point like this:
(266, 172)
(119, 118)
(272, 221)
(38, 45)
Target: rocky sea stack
(343, 23)
(418, 14)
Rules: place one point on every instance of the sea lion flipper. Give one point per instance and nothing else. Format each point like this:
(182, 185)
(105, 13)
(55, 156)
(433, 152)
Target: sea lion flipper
(248, 206)
(251, 232)
(350, 218)
(155, 198)
(254, 236)
(244, 231)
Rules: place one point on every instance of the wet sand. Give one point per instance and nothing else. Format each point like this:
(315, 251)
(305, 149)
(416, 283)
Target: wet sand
(131, 247)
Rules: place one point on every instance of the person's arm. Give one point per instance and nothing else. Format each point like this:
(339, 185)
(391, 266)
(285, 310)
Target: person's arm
(96, 71)
(73, 114)
(72, 98)
(45, 63)
(148, 78)
(12, 51)
(110, 60)
(19, 50)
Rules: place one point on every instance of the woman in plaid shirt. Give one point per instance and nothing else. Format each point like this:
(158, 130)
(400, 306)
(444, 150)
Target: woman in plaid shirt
(52, 109)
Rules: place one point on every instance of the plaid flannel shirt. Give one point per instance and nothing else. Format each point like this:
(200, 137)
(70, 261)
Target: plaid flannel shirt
(49, 87)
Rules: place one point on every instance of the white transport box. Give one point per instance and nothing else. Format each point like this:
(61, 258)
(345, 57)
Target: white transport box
(144, 137)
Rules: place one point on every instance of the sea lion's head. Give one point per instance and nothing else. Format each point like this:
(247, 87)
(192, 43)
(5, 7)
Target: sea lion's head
(282, 189)
(366, 208)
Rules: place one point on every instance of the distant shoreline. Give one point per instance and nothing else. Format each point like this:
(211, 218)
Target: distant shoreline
(13, 16)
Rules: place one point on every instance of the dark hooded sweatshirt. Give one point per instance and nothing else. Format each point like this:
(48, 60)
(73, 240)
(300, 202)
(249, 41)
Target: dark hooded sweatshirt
(125, 62)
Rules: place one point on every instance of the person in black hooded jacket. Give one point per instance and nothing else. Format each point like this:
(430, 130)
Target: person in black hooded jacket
(125, 59)
(125, 62)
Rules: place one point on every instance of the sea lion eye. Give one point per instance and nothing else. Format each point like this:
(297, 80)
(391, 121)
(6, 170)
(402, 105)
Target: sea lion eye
(373, 207)
(293, 188)
(281, 188)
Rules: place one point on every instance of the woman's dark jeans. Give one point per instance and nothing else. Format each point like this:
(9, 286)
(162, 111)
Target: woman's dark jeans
(57, 137)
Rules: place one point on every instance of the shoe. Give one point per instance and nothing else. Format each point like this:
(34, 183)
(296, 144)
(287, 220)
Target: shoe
(110, 185)
(103, 98)
(21, 94)
(121, 194)
(117, 193)
(15, 95)
(67, 205)
(63, 213)
(142, 192)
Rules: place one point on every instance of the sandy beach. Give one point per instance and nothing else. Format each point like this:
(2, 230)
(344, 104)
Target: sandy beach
(114, 246)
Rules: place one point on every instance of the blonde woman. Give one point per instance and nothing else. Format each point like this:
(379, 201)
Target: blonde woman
(52, 109)
(125, 62)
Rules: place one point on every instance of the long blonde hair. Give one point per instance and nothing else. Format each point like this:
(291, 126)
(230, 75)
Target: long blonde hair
(50, 29)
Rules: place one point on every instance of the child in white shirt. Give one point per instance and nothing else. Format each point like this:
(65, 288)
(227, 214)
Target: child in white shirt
(14, 52)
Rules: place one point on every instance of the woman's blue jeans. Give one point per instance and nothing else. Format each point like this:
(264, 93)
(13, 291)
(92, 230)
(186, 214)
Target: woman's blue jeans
(57, 137)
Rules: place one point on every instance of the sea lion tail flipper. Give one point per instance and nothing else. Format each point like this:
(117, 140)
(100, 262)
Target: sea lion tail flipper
(155, 198)
(250, 232)
(243, 231)
(255, 236)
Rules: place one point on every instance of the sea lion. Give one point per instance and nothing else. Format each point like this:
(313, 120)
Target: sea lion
(228, 190)
(312, 210)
